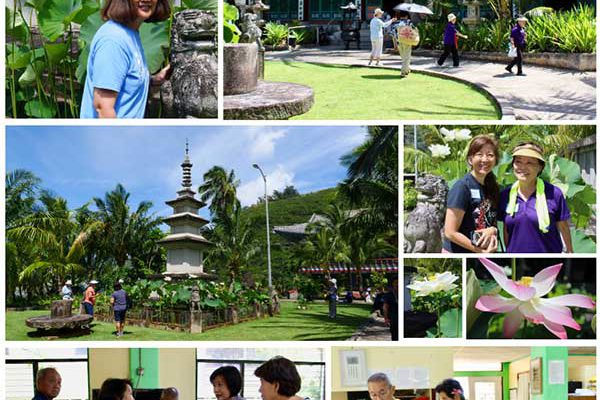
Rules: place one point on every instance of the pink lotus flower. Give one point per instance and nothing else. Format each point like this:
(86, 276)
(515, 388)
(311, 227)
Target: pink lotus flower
(527, 302)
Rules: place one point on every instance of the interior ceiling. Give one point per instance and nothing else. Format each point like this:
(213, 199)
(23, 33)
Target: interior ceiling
(502, 354)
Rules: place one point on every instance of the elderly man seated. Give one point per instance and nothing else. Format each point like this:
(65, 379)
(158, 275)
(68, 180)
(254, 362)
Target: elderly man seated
(47, 384)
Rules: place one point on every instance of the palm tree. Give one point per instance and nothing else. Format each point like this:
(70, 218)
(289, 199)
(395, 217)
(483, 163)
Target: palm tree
(371, 187)
(124, 231)
(234, 242)
(220, 187)
(57, 245)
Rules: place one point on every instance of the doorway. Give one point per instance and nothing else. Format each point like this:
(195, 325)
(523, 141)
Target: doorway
(523, 386)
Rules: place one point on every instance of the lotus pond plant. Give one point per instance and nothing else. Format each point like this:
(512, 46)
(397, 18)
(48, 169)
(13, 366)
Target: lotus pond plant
(439, 294)
(528, 301)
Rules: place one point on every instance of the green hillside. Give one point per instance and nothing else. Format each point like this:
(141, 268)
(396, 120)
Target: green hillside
(294, 210)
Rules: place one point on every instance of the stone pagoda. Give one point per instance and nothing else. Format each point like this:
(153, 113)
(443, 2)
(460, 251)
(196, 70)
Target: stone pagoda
(185, 244)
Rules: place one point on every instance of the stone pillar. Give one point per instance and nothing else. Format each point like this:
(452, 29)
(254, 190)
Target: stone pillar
(196, 321)
(473, 13)
(239, 68)
(192, 90)
(61, 309)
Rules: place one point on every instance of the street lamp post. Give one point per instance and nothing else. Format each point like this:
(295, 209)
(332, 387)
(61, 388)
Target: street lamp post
(268, 232)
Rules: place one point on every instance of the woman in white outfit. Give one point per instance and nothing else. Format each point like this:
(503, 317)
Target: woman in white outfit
(377, 26)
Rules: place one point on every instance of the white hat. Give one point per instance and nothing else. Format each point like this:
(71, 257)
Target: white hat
(93, 282)
(121, 281)
(451, 17)
(333, 280)
(378, 11)
(68, 282)
(522, 18)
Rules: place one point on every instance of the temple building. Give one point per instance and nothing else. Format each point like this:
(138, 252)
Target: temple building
(185, 244)
(325, 11)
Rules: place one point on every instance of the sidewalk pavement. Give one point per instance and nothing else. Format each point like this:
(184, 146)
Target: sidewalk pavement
(542, 94)
(374, 329)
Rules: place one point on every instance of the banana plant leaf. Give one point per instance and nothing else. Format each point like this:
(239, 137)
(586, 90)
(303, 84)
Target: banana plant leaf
(205, 5)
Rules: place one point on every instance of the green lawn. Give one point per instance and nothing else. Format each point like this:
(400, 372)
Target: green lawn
(290, 324)
(345, 92)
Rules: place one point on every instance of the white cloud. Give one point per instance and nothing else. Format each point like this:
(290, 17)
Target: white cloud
(262, 141)
(249, 192)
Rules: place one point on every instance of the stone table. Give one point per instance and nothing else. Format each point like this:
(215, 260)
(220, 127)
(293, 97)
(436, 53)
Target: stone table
(270, 100)
(60, 317)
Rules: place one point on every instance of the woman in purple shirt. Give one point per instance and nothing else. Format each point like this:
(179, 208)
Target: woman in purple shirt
(118, 300)
(451, 35)
(534, 212)
(518, 38)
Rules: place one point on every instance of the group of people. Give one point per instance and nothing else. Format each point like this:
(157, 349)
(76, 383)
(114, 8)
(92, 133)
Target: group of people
(119, 301)
(534, 212)
(518, 40)
(381, 388)
(279, 380)
(385, 302)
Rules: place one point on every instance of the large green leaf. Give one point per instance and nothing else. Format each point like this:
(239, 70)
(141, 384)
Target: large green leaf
(19, 59)
(581, 242)
(56, 15)
(15, 26)
(205, 5)
(569, 170)
(479, 329)
(37, 109)
(230, 12)
(451, 323)
(155, 40)
(32, 72)
(56, 52)
(473, 294)
(86, 34)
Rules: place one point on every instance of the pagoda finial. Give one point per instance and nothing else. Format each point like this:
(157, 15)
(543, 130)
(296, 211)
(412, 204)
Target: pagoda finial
(187, 168)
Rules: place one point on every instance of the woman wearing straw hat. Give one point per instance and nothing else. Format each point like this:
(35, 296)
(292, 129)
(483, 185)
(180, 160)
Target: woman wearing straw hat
(534, 212)
(518, 39)
(67, 291)
(451, 35)
(377, 26)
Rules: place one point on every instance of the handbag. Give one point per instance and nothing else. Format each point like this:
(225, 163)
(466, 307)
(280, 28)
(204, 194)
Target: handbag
(512, 51)
(408, 35)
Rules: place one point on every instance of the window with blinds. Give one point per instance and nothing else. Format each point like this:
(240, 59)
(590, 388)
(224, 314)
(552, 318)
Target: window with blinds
(23, 364)
(309, 362)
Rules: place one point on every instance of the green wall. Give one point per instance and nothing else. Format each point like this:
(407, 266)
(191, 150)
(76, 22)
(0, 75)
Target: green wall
(556, 391)
(150, 364)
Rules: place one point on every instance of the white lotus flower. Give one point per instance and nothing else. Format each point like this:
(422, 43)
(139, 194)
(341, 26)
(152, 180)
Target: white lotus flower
(439, 150)
(449, 135)
(168, 279)
(443, 282)
(462, 135)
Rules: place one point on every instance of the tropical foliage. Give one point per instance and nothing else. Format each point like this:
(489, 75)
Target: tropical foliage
(46, 64)
(441, 155)
(47, 242)
(571, 31)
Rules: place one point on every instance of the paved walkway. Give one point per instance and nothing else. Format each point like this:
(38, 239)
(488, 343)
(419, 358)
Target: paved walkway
(374, 329)
(542, 94)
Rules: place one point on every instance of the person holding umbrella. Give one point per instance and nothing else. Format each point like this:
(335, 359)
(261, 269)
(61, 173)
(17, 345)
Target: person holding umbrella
(407, 35)
(451, 35)
(518, 39)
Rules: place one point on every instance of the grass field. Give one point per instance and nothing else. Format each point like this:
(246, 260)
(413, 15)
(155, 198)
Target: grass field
(290, 324)
(346, 92)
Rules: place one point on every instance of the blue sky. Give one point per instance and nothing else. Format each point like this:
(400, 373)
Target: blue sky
(82, 162)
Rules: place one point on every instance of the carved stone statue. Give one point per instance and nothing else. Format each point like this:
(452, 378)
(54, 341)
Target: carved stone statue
(423, 226)
(250, 31)
(195, 299)
(193, 88)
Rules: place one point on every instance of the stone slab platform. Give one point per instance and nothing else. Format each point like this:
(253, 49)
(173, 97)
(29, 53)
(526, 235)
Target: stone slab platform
(270, 100)
(46, 323)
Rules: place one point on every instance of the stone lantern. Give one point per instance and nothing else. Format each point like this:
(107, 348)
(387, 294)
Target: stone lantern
(473, 12)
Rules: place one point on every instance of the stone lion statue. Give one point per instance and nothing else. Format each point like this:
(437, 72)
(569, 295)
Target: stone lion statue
(423, 226)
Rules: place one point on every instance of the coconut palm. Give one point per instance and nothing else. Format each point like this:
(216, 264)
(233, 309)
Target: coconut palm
(371, 187)
(124, 231)
(234, 243)
(220, 187)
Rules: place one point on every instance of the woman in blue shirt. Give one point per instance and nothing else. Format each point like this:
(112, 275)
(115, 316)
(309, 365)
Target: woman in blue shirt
(518, 39)
(117, 81)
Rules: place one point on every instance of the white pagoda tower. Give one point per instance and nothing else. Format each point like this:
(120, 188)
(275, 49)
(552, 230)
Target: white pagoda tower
(185, 244)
